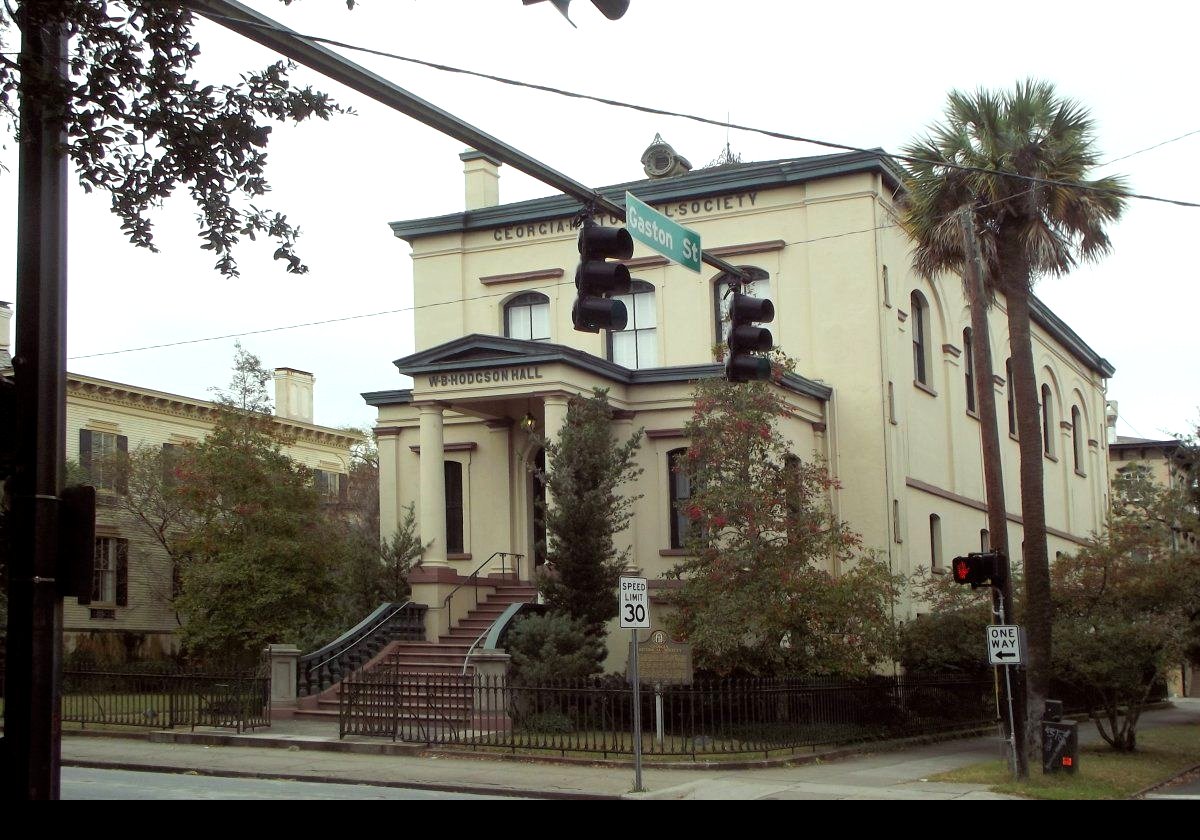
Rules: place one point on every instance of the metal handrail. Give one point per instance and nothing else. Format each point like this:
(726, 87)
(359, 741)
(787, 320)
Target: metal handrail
(473, 578)
(365, 635)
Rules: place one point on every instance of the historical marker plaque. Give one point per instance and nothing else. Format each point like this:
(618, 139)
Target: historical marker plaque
(663, 661)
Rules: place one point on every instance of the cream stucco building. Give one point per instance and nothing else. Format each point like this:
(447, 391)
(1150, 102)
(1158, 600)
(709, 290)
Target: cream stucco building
(884, 391)
(132, 575)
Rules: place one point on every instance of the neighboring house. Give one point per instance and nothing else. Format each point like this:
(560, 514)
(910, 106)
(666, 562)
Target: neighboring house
(132, 576)
(884, 389)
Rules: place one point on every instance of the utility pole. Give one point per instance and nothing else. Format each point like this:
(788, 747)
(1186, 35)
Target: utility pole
(34, 655)
(993, 475)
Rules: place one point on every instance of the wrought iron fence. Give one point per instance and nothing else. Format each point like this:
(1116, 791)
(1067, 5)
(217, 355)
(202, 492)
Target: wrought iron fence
(164, 699)
(730, 717)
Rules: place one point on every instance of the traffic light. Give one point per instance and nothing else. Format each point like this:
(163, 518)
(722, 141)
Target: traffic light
(611, 9)
(980, 568)
(597, 279)
(745, 339)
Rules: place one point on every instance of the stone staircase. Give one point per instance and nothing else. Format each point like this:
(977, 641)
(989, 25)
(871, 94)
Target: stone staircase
(437, 689)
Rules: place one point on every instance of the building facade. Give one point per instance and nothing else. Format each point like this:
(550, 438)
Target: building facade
(884, 392)
(132, 581)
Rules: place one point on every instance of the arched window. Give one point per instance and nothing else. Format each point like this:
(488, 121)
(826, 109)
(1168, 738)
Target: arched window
(920, 337)
(969, 368)
(527, 316)
(985, 540)
(1047, 421)
(935, 542)
(454, 507)
(1012, 399)
(759, 287)
(1077, 437)
(679, 491)
(636, 346)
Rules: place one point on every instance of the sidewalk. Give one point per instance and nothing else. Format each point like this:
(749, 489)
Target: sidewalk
(307, 752)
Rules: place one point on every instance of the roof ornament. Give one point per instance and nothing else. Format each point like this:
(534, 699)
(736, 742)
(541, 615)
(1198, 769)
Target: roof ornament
(661, 161)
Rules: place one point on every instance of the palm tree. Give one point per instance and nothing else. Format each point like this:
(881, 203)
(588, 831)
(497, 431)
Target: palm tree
(1017, 160)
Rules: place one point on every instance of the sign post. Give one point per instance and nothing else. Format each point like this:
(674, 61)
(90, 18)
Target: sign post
(662, 234)
(1006, 648)
(635, 615)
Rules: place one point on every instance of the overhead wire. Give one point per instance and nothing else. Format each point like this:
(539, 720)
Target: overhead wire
(707, 120)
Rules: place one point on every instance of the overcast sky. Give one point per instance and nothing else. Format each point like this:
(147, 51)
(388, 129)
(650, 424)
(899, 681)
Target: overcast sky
(869, 74)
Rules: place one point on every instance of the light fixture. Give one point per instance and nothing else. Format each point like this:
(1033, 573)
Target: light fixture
(528, 422)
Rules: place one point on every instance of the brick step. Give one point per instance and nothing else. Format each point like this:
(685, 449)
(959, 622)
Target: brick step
(440, 647)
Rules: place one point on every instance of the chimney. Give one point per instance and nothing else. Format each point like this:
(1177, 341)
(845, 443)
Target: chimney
(294, 394)
(5, 334)
(482, 179)
(1110, 419)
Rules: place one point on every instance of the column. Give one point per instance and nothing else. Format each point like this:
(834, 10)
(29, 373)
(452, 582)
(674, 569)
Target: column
(433, 486)
(555, 409)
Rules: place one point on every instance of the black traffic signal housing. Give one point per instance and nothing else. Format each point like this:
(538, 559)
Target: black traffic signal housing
(598, 278)
(979, 568)
(747, 340)
(76, 542)
(611, 9)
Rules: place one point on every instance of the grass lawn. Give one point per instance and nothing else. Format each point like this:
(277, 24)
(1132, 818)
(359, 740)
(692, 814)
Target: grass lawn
(1162, 753)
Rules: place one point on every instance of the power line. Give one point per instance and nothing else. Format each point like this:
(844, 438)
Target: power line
(705, 120)
(1152, 148)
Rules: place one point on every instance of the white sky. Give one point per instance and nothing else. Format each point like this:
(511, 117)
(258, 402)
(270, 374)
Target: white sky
(868, 74)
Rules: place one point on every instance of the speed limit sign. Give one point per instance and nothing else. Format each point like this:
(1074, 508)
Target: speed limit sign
(635, 604)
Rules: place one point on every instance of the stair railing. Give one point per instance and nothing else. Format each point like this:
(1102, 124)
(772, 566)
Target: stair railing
(473, 580)
(327, 665)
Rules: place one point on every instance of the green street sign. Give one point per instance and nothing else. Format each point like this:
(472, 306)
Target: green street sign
(669, 238)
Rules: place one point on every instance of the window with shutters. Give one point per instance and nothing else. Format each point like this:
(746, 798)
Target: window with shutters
(454, 508)
(935, 544)
(1077, 438)
(920, 338)
(330, 486)
(98, 456)
(1047, 421)
(110, 572)
(1012, 398)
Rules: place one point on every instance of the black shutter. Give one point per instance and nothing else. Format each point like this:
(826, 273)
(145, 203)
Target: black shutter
(85, 450)
(122, 467)
(122, 573)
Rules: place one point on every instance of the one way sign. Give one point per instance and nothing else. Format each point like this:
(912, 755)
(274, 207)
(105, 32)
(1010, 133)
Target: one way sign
(1004, 644)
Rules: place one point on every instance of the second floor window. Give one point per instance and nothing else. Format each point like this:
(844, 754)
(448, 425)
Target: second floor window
(636, 346)
(98, 456)
(920, 337)
(1077, 438)
(759, 287)
(527, 317)
(1047, 421)
(1012, 399)
(969, 366)
(330, 486)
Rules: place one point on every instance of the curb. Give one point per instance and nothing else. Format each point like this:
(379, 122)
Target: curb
(1141, 794)
(482, 790)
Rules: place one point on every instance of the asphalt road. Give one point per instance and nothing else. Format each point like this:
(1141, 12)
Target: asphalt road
(84, 783)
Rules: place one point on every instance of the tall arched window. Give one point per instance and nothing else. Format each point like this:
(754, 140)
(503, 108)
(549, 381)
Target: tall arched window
(1047, 421)
(636, 346)
(759, 287)
(1012, 399)
(920, 337)
(679, 491)
(454, 507)
(969, 368)
(527, 316)
(1077, 437)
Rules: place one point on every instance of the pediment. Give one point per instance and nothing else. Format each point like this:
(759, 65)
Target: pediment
(474, 348)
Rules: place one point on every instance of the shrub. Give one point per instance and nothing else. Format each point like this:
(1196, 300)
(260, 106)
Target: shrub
(546, 648)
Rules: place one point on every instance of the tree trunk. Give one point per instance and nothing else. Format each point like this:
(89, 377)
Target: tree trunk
(993, 470)
(1038, 609)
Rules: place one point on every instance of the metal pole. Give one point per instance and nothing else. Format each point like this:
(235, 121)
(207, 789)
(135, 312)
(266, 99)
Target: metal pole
(273, 34)
(658, 714)
(1014, 758)
(33, 685)
(637, 713)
